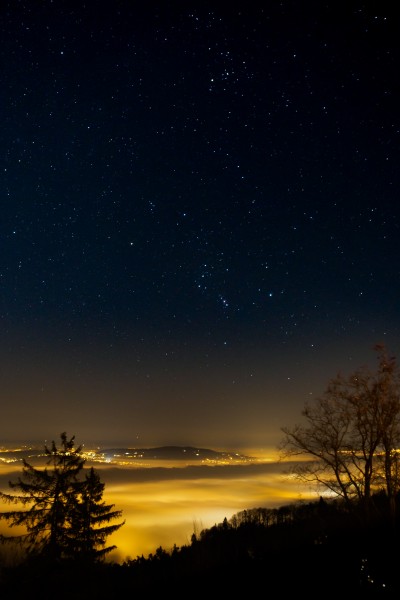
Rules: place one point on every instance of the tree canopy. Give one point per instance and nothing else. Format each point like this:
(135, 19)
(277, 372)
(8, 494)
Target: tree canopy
(65, 516)
(352, 435)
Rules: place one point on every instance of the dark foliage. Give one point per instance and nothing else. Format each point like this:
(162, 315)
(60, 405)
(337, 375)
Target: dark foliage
(316, 548)
(66, 518)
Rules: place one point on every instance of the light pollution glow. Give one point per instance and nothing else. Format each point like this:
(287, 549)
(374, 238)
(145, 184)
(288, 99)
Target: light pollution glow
(163, 505)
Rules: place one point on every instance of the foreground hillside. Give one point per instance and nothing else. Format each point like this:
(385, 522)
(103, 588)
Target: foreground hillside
(314, 548)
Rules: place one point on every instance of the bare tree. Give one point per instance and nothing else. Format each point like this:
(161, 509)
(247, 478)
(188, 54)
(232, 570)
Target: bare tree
(352, 435)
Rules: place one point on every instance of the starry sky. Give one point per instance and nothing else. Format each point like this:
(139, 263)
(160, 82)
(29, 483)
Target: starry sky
(199, 214)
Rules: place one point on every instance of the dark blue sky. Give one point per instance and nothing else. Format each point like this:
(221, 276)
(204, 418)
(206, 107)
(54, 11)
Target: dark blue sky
(200, 219)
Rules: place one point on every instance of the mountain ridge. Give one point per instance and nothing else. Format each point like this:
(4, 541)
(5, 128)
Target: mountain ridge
(171, 452)
(168, 452)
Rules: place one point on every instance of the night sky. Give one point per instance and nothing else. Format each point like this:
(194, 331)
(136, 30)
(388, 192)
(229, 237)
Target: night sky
(199, 214)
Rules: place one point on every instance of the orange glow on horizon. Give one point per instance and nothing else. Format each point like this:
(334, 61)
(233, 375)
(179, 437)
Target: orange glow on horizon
(165, 513)
(165, 504)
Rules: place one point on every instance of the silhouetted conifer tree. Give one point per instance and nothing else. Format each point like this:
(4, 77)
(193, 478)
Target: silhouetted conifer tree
(64, 510)
(88, 532)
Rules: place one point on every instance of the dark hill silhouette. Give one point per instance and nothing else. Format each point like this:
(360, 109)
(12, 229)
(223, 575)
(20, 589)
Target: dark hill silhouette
(317, 549)
(175, 453)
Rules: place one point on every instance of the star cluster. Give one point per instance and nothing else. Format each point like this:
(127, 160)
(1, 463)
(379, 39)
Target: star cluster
(199, 205)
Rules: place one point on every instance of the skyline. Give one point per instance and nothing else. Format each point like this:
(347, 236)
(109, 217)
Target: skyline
(200, 218)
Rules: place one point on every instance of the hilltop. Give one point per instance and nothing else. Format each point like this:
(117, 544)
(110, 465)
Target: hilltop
(175, 453)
